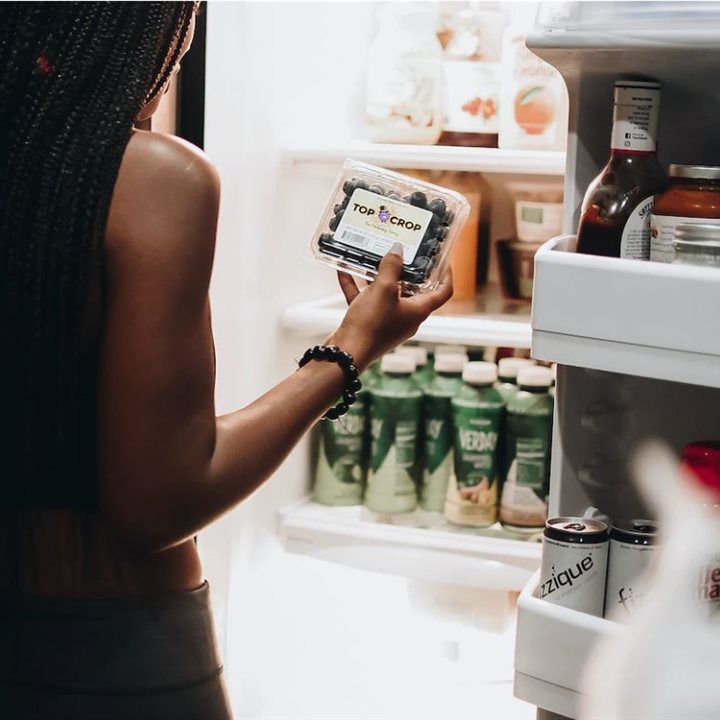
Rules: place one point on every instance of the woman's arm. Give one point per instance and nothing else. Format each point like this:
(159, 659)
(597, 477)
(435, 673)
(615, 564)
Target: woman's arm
(168, 465)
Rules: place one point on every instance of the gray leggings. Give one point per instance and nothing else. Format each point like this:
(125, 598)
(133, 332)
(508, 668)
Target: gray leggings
(128, 659)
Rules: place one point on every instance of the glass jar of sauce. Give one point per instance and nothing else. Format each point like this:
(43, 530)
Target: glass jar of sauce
(697, 244)
(693, 195)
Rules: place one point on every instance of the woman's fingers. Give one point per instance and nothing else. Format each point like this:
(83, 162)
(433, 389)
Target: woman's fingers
(348, 286)
(390, 268)
(427, 302)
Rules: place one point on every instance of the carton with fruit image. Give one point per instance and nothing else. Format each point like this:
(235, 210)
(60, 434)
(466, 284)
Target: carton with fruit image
(533, 104)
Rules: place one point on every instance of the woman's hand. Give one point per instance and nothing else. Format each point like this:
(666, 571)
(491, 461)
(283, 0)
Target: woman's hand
(378, 318)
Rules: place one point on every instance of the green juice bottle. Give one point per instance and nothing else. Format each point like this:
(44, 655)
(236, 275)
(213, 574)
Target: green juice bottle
(472, 496)
(341, 468)
(438, 430)
(523, 506)
(423, 368)
(395, 417)
(508, 369)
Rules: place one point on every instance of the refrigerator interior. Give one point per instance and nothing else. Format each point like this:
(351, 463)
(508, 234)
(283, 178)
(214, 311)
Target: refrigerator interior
(303, 638)
(637, 356)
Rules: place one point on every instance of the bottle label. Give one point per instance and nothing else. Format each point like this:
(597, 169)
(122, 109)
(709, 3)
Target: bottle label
(662, 234)
(438, 434)
(525, 491)
(635, 241)
(373, 223)
(472, 97)
(393, 476)
(635, 118)
(473, 492)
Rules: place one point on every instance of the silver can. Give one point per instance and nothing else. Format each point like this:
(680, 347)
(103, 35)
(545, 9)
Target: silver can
(574, 564)
(632, 546)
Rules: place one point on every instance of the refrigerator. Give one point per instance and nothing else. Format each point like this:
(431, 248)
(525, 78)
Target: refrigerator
(321, 612)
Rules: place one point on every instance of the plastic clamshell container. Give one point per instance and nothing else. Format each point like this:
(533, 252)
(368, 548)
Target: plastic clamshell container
(370, 208)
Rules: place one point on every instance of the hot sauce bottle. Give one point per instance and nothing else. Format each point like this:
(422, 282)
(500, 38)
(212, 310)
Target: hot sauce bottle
(617, 208)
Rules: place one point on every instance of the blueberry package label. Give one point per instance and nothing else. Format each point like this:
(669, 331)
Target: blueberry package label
(374, 222)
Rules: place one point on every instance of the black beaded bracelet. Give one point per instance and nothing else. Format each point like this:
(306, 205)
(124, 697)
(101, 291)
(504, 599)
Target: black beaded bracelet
(332, 353)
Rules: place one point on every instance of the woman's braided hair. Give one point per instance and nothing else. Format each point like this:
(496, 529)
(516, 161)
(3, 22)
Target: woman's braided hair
(73, 77)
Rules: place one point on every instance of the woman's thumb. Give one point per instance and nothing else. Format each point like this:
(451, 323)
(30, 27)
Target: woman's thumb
(391, 265)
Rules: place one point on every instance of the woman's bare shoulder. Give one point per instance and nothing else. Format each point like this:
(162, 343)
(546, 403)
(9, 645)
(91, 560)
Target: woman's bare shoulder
(166, 198)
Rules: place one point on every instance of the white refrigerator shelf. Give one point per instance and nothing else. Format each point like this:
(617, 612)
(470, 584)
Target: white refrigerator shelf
(552, 646)
(418, 545)
(430, 157)
(628, 316)
(487, 321)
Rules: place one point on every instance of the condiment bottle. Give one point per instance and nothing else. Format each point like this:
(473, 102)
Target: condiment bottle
(618, 205)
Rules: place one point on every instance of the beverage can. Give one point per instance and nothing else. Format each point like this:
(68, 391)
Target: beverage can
(395, 415)
(574, 564)
(631, 549)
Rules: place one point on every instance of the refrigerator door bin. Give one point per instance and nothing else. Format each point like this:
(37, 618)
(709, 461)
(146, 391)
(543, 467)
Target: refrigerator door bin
(627, 316)
(552, 646)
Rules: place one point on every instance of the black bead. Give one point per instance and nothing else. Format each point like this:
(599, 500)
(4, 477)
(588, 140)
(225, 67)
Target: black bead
(350, 398)
(341, 409)
(418, 199)
(352, 370)
(355, 386)
(332, 414)
(332, 353)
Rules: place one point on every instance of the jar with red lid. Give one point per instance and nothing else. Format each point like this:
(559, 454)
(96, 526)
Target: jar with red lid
(692, 196)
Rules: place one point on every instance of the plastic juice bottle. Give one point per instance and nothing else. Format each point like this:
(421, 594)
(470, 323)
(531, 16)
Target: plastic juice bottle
(438, 430)
(523, 506)
(395, 415)
(423, 368)
(472, 495)
(508, 369)
(342, 456)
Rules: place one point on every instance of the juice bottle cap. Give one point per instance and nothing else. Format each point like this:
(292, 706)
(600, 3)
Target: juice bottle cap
(395, 364)
(534, 376)
(419, 353)
(702, 459)
(480, 373)
(450, 362)
(450, 349)
(508, 367)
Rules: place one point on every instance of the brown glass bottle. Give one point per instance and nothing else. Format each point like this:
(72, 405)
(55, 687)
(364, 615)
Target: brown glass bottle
(617, 208)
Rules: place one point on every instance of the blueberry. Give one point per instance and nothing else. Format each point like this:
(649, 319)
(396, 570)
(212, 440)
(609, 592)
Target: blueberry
(361, 185)
(377, 190)
(442, 233)
(334, 222)
(449, 217)
(325, 240)
(393, 196)
(349, 186)
(418, 199)
(438, 207)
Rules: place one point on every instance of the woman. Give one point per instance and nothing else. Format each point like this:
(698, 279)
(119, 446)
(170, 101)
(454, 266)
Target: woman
(113, 456)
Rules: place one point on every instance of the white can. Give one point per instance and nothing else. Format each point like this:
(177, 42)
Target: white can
(632, 547)
(574, 564)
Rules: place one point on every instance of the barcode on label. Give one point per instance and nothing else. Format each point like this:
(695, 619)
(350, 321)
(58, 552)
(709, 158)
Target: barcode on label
(355, 238)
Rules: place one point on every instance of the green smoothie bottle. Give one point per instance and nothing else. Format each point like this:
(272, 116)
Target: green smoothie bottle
(508, 369)
(423, 368)
(523, 505)
(341, 468)
(438, 430)
(395, 417)
(472, 496)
